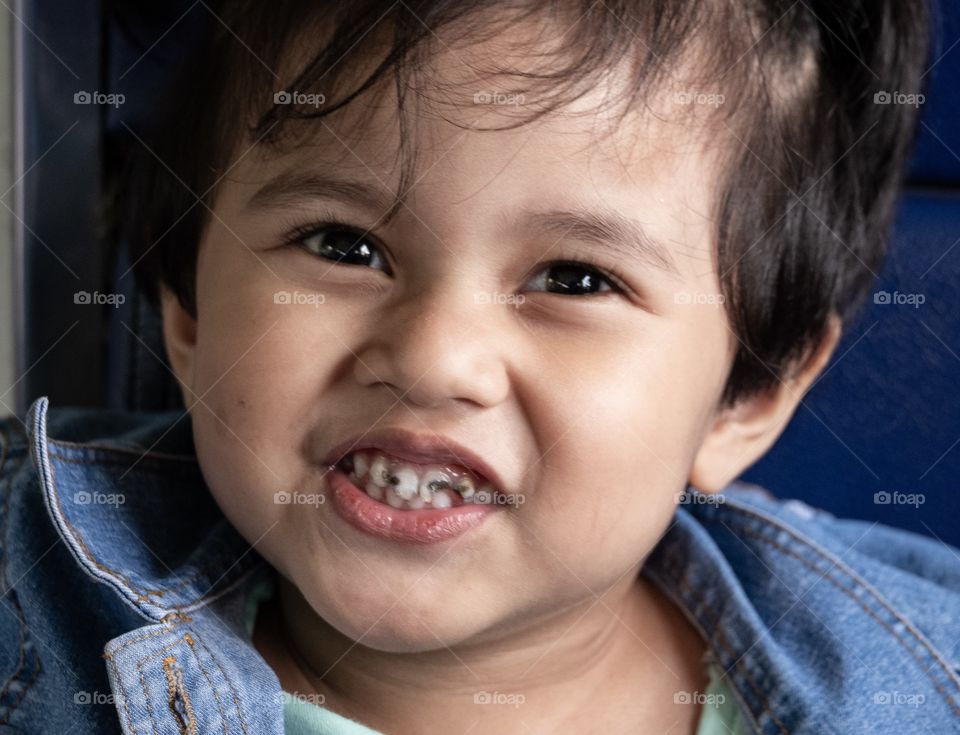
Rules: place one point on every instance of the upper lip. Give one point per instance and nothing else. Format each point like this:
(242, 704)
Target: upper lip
(419, 448)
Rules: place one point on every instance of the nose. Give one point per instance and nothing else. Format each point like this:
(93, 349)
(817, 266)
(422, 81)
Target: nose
(435, 347)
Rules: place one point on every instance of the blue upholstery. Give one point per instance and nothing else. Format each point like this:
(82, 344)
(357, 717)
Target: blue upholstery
(935, 159)
(885, 416)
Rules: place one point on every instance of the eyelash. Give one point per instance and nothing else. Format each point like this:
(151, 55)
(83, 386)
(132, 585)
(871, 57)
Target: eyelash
(300, 233)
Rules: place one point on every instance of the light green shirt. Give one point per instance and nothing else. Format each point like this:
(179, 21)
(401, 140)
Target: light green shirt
(720, 714)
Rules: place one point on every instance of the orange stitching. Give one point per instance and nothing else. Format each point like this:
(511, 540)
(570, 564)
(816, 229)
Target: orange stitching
(123, 693)
(739, 665)
(233, 689)
(21, 664)
(104, 449)
(724, 643)
(83, 544)
(216, 696)
(113, 667)
(175, 687)
(147, 595)
(151, 634)
(143, 681)
(835, 563)
(202, 602)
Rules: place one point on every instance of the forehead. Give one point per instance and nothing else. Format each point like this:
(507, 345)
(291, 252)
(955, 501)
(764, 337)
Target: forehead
(514, 74)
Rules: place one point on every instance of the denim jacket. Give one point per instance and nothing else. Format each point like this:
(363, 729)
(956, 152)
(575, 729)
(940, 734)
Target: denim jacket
(125, 588)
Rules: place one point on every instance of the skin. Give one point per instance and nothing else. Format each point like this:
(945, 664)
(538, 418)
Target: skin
(598, 409)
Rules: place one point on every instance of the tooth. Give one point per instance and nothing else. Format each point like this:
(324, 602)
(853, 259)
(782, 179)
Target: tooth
(432, 481)
(360, 464)
(407, 482)
(374, 491)
(441, 500)
(464, 486)
(379, 473)
(415, 503)
(393, 499)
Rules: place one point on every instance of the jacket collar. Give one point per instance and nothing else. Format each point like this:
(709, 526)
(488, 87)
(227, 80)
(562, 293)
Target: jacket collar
(793, 618)
(114, 501)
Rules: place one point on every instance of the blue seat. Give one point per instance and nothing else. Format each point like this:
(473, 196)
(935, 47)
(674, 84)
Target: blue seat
(882, 423)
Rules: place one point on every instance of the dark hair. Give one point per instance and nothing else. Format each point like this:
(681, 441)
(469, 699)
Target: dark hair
(809, 186)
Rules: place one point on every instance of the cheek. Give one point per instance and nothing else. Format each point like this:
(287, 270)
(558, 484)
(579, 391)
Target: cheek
(261, 362)
(622, 425)
(262, 370)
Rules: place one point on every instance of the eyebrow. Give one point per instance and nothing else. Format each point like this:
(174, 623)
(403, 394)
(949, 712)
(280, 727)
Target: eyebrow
(600, 226)
(294, 188)
(606, 228)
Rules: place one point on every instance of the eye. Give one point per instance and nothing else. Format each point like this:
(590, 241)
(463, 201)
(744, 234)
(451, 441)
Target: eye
(571, 278)
(342, 244)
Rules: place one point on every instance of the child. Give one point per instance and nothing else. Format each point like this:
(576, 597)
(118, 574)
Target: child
(431, 482)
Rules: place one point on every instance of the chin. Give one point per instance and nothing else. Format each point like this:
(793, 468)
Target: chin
(398, 629)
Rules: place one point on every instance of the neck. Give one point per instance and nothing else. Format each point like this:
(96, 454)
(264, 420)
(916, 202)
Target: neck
(621, 655)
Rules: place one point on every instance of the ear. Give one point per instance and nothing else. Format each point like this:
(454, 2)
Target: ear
(180, 341)
(743, 433)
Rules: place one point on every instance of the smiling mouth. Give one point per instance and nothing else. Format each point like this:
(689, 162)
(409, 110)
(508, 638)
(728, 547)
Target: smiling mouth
(411, 486)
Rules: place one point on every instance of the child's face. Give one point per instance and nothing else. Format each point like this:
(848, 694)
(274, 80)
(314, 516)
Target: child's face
(595, 409)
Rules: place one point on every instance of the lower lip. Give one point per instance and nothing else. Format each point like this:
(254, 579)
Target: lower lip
(425, 526)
